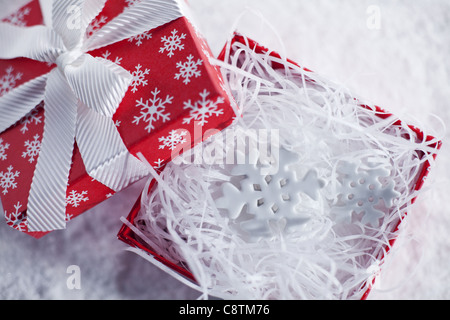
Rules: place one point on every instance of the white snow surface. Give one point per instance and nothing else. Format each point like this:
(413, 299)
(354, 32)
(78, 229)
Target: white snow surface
(400, 62)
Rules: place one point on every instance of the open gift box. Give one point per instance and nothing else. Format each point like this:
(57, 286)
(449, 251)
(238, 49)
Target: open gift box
(156, 78)
(390, 128)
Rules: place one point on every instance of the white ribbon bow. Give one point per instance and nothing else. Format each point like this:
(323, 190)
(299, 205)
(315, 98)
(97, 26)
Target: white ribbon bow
(81, 95)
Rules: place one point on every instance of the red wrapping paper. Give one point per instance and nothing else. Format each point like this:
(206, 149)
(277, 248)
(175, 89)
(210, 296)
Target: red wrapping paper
(173, 82)
(128, 236)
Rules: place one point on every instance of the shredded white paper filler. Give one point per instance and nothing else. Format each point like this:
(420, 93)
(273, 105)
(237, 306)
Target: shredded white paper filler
(330, 243)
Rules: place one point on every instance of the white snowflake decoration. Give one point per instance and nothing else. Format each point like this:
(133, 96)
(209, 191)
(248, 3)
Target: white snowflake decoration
(203, 109)
(106, 55)
(367, 191)
(95, 25)
(266, 203)
(18, 17)
(139, 39)
(31, 117)
(75, 198)
(152, 110)
(8, 179)
(16, 219)
(3, 147)
(139, 78)
(33, 149)
(188, 69)
(174, 139)
(8, 81)
(172, 43)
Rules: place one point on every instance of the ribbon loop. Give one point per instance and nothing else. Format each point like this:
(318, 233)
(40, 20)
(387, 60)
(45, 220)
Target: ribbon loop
(98, 83)
(72, 17)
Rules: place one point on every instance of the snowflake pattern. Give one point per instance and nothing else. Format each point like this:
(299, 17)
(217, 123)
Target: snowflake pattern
(8, 179)
(174, 139)
(139, 78)
(139, 39)
(18, 17)
(106, 55)
(31, 117)
(172, 43)
(3, 147)
(153, 110)
(158, 164)
(8, 81)
(33, 149)
(75, 198)
(202, 109)
(188, 69)
(16, 219)
(95, 25)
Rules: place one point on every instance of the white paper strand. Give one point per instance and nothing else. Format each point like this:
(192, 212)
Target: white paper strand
(325, 126)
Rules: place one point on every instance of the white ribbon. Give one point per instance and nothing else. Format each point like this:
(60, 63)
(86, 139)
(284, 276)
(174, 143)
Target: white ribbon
(81, 95)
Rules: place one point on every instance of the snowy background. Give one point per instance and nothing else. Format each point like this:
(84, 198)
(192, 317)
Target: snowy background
(399, 59)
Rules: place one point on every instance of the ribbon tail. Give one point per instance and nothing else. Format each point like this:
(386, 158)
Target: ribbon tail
(46, 210)
(104, 154)
(37, 43)
(18, 102)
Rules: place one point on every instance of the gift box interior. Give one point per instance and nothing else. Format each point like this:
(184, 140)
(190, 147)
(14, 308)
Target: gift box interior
(362, 169)
(172, 81)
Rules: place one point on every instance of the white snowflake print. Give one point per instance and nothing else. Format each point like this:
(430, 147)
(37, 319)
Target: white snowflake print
(188, 69)
(158, 163)
(18, 17)
(75, 198)
(117, 123)
(33, 149)
(95, 25)
(8, 179)
(16, 219)
(8, 81)
(172, 43)
(106, 55)
(31, 117)
(139, 39)
(139, 78)
(174, 139)
(202, 109)
(3, 147)
(153, 110)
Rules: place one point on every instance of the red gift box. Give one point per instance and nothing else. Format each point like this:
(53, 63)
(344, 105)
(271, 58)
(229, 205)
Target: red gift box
(173, 83)
(127, 235)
